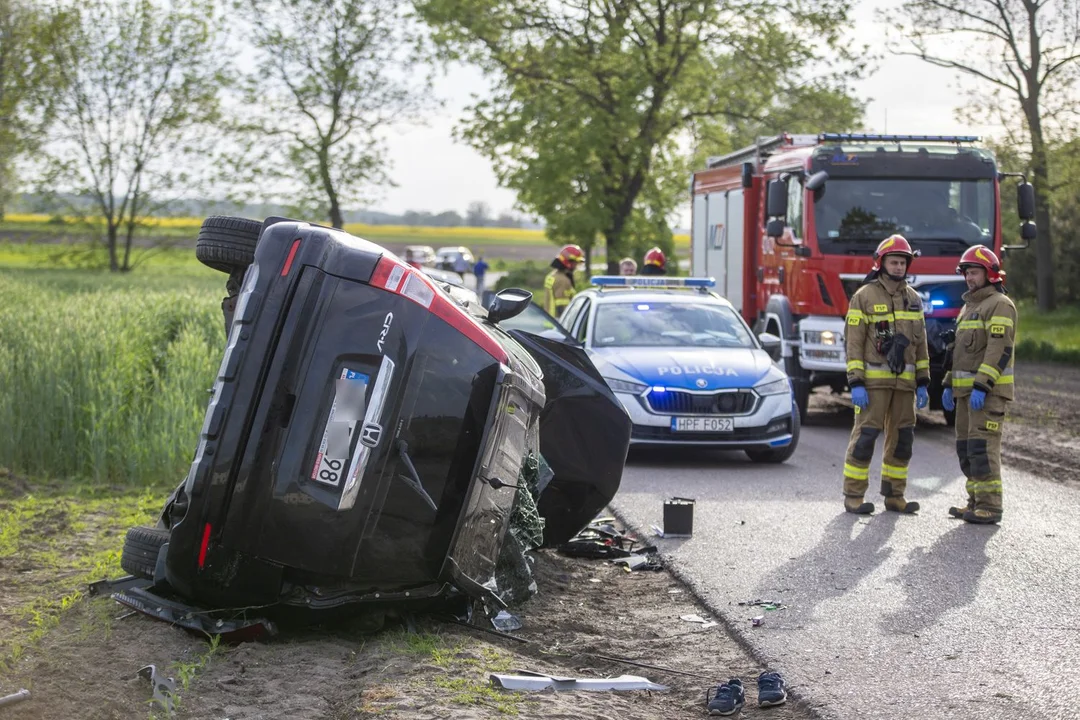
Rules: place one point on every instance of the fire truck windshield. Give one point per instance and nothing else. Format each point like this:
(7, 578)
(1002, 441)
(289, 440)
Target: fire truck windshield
(939, 216)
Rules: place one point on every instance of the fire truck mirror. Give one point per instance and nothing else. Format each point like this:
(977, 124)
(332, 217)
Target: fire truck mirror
(1028, 232)
(776, 205)
(775, 228)
(1025, 201)
(817, 181)
(771, 344)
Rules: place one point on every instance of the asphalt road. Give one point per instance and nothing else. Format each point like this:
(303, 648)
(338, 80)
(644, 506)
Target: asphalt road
(888, 616)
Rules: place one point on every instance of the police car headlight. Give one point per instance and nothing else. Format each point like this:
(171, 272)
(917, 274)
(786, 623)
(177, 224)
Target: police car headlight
(625, 387)
(776, 387)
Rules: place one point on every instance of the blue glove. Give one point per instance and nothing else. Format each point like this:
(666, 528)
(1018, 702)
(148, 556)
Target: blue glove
(860, 397)
(922, 397)
(947, 401)
(978, 397)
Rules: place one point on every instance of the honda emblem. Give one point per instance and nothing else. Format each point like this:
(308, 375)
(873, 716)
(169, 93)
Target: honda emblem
(370, 434)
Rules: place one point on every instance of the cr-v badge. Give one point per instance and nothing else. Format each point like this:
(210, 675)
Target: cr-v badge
(387, 321)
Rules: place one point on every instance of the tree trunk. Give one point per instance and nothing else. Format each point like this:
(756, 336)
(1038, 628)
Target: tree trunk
(128, 237)
(110, 241)
(1044, 249)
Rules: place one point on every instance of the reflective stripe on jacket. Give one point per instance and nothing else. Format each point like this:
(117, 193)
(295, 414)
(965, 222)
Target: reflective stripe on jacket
(885, 303)
(982, 356)
(558, 290)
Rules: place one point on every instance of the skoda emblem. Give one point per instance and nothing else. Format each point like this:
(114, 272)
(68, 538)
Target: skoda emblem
(702, 382)
(370, 434)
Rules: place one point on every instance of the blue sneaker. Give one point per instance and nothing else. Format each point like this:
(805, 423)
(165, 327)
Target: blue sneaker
(770, 689)
(727, 699)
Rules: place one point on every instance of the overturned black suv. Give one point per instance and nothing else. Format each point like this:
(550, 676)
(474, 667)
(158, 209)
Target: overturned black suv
(366, 432)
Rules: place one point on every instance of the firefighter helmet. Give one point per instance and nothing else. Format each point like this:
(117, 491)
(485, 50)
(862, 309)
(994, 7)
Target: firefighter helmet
(894, 245)
(984, 257)
(656, 257)
(571, 256)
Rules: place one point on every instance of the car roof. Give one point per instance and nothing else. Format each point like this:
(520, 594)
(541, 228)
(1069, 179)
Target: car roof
(621, 295)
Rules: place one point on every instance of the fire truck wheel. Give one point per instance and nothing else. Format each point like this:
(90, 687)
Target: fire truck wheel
(140, 553)
(227, 243)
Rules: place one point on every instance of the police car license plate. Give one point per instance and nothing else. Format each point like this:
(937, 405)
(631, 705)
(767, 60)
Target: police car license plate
(702, 424)
(331, 464)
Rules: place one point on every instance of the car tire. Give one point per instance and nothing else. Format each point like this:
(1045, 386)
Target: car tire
(779, 455)
(140, 553)
(227, 243)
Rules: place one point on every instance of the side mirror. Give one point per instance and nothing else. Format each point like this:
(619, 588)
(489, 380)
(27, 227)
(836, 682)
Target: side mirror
(817, 181)
(507, 304)
(1028, 232)
(1025, 201)
(771, 344)
(776, 204)
(775, 228)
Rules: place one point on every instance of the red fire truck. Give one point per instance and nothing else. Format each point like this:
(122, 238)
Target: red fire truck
(788, 225)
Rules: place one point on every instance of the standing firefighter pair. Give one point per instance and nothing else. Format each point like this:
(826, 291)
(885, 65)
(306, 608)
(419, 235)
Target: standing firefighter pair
(888, 371)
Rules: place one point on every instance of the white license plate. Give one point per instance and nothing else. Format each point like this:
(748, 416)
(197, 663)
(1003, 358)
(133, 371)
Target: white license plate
(702, 424)
(348, 407)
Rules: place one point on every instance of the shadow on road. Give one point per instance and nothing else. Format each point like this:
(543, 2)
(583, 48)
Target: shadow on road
(940, 578)
(839, 561)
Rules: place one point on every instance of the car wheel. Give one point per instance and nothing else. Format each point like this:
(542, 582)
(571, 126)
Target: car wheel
(779, 455)
(140, 553)
(227, 243)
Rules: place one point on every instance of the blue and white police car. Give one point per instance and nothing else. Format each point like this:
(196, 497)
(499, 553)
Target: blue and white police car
(685, 365)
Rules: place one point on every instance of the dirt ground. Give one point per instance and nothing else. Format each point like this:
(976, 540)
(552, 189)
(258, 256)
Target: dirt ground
(86, 666)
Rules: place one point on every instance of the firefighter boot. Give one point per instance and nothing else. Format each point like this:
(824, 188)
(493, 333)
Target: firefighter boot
(855, 504)
(899, 504)
(958, 512)
(981, 516)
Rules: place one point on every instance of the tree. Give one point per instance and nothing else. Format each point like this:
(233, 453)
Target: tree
(594, 98)
(478, 214)
(140, 86)
(1025, 49)
(28, 84)
(332, 75)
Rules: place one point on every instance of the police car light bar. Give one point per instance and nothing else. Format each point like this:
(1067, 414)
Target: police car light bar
(900, 138)
(651, 281)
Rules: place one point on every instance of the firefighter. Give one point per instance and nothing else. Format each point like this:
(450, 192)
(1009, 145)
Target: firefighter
(559, 283)
(980, 384)
(655, 263)
(888, 371)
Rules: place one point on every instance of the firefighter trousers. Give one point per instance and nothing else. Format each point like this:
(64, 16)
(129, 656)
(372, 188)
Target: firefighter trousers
(978, 445)
(891, 412)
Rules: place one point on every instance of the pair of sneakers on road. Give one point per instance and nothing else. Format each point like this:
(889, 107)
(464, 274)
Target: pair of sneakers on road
(729, 698)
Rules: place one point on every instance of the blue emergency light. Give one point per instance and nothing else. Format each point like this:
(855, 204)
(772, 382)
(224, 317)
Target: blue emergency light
(660, 281)
(861, 137)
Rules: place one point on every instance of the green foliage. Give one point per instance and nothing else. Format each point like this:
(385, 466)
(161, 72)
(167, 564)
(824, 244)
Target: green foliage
(140, 84)
(331, 76)
(28, 83)
(528, 276)
(593, 102)
(1052, 336)
(104, 380)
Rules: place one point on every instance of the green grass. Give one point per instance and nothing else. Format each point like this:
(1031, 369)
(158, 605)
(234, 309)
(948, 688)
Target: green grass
(105, 377)
(1052, 337)
(53, 542)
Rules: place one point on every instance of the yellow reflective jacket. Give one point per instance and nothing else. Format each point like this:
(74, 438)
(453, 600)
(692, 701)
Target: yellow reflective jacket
(558, 290)
(894, 306)
(982, 356)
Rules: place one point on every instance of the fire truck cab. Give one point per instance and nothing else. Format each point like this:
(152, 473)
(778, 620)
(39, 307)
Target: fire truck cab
(788, 226)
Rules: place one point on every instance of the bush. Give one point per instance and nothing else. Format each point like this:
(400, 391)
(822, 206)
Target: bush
(528, 276)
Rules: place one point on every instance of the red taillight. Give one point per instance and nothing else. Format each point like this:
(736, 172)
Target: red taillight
(398, 278)
(292, 255)
(204, 544)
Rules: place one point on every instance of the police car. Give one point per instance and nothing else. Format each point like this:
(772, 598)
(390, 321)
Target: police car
(685, 365)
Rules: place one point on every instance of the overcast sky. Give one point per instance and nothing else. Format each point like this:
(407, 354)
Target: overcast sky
(434, 173)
